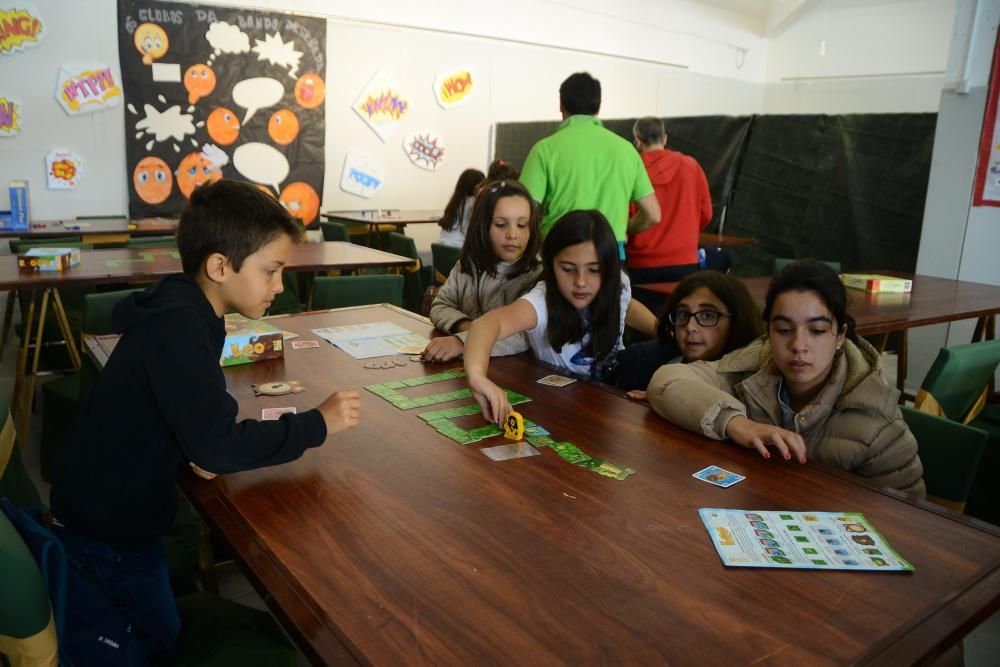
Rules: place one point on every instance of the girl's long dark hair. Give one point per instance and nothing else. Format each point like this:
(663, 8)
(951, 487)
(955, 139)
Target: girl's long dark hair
(811, 275)
(746, 324)
(604, 313)
(477, 251)
(464, 188)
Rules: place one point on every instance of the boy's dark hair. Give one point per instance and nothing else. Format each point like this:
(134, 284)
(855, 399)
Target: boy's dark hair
(466, 186)
(746, 324)
(604, 312)
(233, 218)
(501, 170)
(580, 93)
(477, 251)
(811, 275)
(649, 130)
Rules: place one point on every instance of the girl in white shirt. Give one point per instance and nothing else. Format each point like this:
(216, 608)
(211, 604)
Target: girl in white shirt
(458, 211)
(574, 318)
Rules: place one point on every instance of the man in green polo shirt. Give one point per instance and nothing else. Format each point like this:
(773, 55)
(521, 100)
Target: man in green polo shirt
(585, 166)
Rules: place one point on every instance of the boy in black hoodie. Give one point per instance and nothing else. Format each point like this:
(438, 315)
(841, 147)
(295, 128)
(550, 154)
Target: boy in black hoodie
(161, 403)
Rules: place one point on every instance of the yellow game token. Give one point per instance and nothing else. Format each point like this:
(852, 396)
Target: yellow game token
(513, 426)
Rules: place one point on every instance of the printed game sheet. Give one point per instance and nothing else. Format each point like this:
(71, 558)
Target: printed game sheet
(372, 339)
(807, 540)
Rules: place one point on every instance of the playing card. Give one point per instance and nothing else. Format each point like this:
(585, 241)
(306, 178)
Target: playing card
(411, 349)
(288, 335)
(505, 452)
(556, 380)
(303, 344)
(270, 414)
(718, 476)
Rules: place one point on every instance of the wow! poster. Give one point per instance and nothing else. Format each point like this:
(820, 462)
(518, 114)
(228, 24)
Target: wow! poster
(221, 92)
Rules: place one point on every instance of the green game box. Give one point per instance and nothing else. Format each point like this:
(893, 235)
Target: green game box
(250, 340)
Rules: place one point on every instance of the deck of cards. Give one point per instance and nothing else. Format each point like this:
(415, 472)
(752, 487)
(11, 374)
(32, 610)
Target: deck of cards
(718, 476)
(556, 380)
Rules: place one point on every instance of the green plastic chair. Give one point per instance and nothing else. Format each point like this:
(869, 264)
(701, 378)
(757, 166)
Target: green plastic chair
(956, 385)
(27, 627)
(152, 242)
(950, 453)
(334, 231)
(781, 262)
(62, 397)
(346, 291)
(445, 257)
(15, 483)
(416, 279)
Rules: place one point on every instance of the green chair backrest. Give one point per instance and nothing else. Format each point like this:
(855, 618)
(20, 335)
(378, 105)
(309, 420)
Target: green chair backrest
(401, 244)
(152, 242)
(781, 262)
(334, 231)
(14, 244)
(345, 291)
(950, 453)
(97, 309)
(958, 378)
(445, 257)
(27, 630)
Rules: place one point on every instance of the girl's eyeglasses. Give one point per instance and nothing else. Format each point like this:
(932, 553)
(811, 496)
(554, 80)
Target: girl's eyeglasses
(705, 318)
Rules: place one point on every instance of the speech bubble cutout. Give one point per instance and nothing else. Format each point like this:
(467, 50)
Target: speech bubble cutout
(261, 163)
(226, 38)
(170, 123)
(453, 88)
(363, 174)
(277, 52)
(257, 93)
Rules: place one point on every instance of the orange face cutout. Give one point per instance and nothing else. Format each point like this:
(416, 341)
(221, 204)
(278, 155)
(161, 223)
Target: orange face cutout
(152, 180)
(151, 41)
(199, 80)
(283, 127)
(194, 170)
(310, 91)
(301, 201)
(223, 126)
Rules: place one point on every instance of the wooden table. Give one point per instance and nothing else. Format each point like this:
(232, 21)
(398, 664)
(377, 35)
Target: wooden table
(392, 544)
(377, 218)
(95, 230)
(99, 267)
(713, 240)
(932, 301)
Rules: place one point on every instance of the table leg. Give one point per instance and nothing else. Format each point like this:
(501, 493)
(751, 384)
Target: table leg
(22, 355)
(902, 358)
(8, 315)
(67, 334)
(29, 393)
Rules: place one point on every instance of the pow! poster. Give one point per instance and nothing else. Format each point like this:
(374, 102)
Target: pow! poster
(20, 29)
(221, 92)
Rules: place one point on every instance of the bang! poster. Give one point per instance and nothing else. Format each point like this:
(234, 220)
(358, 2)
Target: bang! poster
(221, 92)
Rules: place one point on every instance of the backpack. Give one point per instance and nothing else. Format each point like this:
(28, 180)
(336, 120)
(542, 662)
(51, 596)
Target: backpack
(90, 628)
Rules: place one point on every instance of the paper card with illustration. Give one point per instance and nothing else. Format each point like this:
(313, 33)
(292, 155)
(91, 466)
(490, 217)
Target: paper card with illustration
(363, 174)
(272, 414)
(63, 169)
(453, 87)
(381, 105)
(556, 380)
(806, 540)
(718, 476)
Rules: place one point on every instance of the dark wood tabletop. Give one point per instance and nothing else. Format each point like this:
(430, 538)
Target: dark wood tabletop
(141, 264)
(42, 229)
(711, 239)
(386, 216)
(391, 544)
(931, 301)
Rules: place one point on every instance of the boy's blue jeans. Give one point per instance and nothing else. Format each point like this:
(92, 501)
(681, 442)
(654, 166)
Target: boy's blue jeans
(138, 584)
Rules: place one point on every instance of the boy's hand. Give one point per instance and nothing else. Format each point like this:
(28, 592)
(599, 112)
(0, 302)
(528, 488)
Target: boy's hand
(491, 398)
(748, 433)
(443, 348)
(201, 472)
(341, 410)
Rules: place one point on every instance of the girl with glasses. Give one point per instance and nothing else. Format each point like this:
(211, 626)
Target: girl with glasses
(811, 388)
(708, 315)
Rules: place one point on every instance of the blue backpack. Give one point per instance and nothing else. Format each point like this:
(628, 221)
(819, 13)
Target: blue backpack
(90, 628)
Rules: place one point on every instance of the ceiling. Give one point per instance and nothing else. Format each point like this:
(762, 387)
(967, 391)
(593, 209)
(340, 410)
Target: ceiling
(758, 9)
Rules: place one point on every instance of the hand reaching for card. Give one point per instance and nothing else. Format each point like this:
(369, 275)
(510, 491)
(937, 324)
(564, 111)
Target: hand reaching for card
(443, 348)
(491, 398)
(748, 433)
(341, 410)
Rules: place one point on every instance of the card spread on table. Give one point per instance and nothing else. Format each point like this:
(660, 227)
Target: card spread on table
(718, 476)
(303, 344)
(556, 380)
(411, 349)
(514, 451)
(271, 414)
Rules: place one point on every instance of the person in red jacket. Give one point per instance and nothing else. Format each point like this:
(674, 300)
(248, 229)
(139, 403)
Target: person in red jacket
(668, 252)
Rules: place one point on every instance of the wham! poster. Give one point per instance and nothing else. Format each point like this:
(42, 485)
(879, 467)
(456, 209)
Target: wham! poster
(221, 92)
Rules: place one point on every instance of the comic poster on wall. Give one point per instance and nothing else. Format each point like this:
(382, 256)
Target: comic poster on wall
(221, 92)
(987, 183)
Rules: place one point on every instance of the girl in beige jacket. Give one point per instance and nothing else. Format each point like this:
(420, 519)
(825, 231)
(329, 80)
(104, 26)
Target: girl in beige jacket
(499, 263)
(809, 388)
